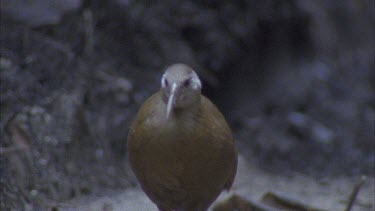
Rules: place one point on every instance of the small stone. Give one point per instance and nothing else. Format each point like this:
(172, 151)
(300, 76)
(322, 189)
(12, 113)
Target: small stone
(38, 12)
(298, 119)
(322, 133)
(34, 192)
(43, 161)
(124, 84)
(99, 154)
(322, 71)
(5, 63)
(36, 110)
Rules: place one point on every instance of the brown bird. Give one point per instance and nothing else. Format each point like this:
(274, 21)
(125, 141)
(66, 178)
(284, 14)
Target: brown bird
(181, 149)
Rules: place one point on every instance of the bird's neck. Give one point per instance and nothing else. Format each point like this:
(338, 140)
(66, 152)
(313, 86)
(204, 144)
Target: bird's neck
(190, 111)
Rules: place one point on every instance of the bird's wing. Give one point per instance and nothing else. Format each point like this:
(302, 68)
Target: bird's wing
(230, 180)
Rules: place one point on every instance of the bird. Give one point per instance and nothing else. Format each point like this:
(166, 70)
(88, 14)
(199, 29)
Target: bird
(180, 147)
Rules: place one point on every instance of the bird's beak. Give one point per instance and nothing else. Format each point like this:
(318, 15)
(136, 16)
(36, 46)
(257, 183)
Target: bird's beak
(171, 100)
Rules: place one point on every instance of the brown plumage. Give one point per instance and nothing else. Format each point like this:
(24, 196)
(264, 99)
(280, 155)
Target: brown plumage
(180, 147)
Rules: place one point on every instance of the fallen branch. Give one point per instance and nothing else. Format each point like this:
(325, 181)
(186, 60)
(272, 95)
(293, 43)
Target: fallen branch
(9, 150)
(236, 202)
(285, 203)
(354, 193)
(20, 138)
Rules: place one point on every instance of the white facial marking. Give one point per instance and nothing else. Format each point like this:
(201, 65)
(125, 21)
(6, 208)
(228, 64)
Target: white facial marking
(196, 83)
(163, 84)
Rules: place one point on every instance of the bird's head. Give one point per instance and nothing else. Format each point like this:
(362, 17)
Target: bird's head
(181, 88)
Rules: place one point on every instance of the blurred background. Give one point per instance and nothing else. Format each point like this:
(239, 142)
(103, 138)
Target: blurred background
(295, 79)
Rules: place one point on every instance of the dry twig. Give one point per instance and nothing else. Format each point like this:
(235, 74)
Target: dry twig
(354, 193)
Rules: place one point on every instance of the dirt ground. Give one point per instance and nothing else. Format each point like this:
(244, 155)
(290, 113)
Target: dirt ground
(251, 183)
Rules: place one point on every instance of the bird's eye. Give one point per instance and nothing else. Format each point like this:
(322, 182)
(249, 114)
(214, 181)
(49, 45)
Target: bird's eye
(187, 83)
(166, 82)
